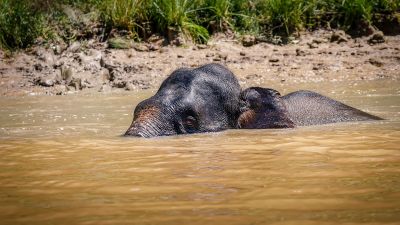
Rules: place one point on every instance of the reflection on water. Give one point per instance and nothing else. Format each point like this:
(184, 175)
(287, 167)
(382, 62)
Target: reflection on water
(62, 161)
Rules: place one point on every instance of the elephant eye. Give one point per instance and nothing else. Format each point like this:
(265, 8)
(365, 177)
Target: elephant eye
(190, 124)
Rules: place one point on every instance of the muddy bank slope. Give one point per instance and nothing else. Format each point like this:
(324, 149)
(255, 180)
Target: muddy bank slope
(93, 66)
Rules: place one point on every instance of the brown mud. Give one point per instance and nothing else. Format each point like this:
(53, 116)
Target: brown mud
(322, 55)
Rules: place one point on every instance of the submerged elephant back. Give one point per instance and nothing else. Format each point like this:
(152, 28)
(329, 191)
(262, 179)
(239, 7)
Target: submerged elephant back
(310, 108)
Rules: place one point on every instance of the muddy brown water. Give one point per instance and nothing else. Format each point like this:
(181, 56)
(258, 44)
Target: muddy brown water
(63, 161)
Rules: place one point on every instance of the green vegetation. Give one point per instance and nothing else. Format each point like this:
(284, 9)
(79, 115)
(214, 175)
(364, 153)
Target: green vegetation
(123, 14)
(219, 14)
(179, 16)
(20, 24)
(119, 43)
(287, 14)
(23, 22)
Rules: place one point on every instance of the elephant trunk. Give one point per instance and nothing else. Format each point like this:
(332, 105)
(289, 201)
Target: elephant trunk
(149, 122)
(146, 130)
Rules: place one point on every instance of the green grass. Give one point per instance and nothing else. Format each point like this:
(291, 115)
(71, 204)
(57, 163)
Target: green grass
(287, 14)
(355, 10)
(123, 14)
(386, 5)
(22, 22)
(119, 43)
(219, 14)
(180, 15)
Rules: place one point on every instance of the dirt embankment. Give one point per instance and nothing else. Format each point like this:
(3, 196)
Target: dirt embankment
(92, 66)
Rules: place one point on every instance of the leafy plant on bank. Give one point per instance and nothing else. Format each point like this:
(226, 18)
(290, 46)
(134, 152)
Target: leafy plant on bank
(286, 14)
(219, 14)
(20, 24)
(179, 15)
(354, 11)
(123, 14)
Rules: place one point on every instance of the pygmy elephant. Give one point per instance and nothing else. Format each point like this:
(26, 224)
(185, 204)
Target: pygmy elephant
(209, 98)
(265, 108)
(204, 99)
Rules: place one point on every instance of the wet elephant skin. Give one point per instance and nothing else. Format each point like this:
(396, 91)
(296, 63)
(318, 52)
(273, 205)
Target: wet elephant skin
(209, 99)
(204, 99)
(265, 108)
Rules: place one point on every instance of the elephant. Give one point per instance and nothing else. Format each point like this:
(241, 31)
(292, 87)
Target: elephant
(209, 99)
(204, 99)
(263, 108)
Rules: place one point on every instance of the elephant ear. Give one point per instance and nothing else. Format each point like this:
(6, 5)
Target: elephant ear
(262, 108)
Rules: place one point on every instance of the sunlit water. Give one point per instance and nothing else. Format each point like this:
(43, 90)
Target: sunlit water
(63, 161)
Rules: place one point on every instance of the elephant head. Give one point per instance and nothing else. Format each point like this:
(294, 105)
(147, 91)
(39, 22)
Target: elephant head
(205, 99)
(263, 108)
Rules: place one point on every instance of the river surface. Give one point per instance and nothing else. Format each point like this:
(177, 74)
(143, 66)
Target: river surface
(63, 161)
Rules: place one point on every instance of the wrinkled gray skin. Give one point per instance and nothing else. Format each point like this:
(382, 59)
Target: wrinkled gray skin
(265, 108)
(209, 98)
(205, 99)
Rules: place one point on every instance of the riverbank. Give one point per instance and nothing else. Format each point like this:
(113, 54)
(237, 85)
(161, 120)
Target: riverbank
(321, 55)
